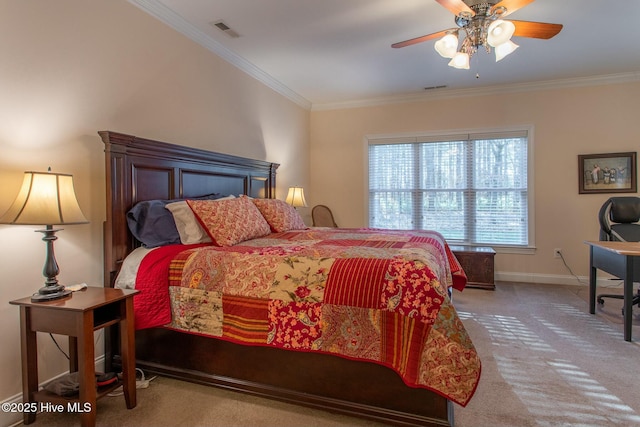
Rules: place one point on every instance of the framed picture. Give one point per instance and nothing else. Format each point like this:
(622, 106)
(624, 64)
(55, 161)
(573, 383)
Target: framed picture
(607, 173)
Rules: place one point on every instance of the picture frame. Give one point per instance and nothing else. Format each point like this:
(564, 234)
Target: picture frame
(607, 173)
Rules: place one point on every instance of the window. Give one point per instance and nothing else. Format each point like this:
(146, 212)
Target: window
(472, 188)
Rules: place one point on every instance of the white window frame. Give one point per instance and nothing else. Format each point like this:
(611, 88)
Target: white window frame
(448, 135)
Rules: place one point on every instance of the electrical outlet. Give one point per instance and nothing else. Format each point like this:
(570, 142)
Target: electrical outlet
(557, 253)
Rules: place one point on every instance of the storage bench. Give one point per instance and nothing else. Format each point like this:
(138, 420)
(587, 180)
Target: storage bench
(478, 264)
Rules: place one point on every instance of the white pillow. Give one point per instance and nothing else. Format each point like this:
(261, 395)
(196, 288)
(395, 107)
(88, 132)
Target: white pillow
(189, 228)
(126, 278)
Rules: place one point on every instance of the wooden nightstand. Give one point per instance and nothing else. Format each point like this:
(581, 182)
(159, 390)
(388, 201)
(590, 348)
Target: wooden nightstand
(478, 264)
(77, 316)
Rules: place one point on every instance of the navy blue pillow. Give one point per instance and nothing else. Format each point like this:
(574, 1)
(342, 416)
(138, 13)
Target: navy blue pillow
(153, 225)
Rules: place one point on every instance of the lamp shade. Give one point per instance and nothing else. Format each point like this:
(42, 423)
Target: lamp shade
(45, 199)
(447, 46)
(460, 61)
(500, 32)
(505, 49)
(295, 197)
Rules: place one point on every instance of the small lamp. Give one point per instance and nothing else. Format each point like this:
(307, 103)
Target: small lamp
(499, 36)
(46, 199)
(295, 197)
(460, 61)
(505, 49)
(447, 46)
(500, 32)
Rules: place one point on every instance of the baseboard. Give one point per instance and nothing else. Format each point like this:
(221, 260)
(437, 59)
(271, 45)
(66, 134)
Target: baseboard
(549, 279)
(11, 419)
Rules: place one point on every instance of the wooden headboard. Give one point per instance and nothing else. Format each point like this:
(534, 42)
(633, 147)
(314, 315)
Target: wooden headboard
(140, 169)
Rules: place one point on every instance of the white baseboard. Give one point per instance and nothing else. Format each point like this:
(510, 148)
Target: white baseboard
(550, 279)
(11, 419)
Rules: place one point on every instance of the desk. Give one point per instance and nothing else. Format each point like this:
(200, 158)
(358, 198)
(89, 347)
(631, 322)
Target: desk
(621, 259)
(78, 316)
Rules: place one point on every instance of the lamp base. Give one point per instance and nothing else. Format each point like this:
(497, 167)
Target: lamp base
(49, 293)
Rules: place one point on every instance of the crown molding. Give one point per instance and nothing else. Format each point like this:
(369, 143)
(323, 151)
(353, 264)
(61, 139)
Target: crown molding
(175, 21)
(484, 91)
(178, 23)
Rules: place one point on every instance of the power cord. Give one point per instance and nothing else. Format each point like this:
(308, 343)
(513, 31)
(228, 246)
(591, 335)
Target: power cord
(97, 338)
(58, 345)
(569, 268)
(617, 285)
(142, 382)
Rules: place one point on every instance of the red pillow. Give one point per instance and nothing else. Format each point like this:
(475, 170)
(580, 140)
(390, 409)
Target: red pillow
(229, 222)
(280, 215)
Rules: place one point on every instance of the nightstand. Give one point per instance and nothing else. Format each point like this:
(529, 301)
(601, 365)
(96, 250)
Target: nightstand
(77, 316)
(478, 264)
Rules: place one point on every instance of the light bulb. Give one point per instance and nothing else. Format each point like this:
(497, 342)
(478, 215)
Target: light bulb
(447, 46)
(505, 49)
(500, 32)
(460, 61)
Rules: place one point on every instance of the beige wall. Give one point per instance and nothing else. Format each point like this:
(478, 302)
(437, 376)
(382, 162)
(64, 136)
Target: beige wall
(566, 122)
(70, 68)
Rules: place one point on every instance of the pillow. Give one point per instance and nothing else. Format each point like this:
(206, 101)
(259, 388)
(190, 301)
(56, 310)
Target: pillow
(153, 225)
(280, 215)
(189, 229)
(230, 221)
(126, 278)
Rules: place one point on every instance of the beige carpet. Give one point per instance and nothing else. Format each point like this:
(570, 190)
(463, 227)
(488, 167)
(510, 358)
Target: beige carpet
(546, 362)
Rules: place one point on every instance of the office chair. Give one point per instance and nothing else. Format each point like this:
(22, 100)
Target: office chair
(618, 219)
(322, 217)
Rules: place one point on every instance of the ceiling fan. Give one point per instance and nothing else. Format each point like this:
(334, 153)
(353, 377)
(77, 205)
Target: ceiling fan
(482, 24)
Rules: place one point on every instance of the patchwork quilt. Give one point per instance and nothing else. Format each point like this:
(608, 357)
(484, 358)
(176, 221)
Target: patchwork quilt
(374, 295)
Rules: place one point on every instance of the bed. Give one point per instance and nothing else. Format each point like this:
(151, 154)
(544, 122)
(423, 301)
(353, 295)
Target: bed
(317, 373)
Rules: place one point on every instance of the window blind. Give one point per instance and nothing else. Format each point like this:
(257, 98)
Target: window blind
(473, 188)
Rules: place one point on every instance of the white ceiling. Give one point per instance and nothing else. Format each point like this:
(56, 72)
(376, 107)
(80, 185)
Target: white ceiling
(338, 52)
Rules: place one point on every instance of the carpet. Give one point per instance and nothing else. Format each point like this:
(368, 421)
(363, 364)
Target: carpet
(546, 362)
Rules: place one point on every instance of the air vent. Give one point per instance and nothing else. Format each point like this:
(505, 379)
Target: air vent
(225, 29)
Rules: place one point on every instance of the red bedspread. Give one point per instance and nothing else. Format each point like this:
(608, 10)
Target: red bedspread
(373, 295)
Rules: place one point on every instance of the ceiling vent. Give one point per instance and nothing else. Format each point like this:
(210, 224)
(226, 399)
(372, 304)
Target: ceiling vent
(225, 29)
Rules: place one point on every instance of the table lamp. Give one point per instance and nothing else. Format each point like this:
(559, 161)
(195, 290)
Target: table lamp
(295, 197)
(46, 199)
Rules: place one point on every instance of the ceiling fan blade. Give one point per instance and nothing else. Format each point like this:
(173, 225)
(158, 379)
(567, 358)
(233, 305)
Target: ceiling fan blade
(456, 6)
(421, 39)
(537, 30)
(511, 5)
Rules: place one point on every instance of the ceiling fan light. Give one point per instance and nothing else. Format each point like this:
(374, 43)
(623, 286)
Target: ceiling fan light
(505, 49)
(499, 32)
(447, 46)
(460, 61)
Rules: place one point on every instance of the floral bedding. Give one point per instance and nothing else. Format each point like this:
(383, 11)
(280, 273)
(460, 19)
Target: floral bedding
(374, 295)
